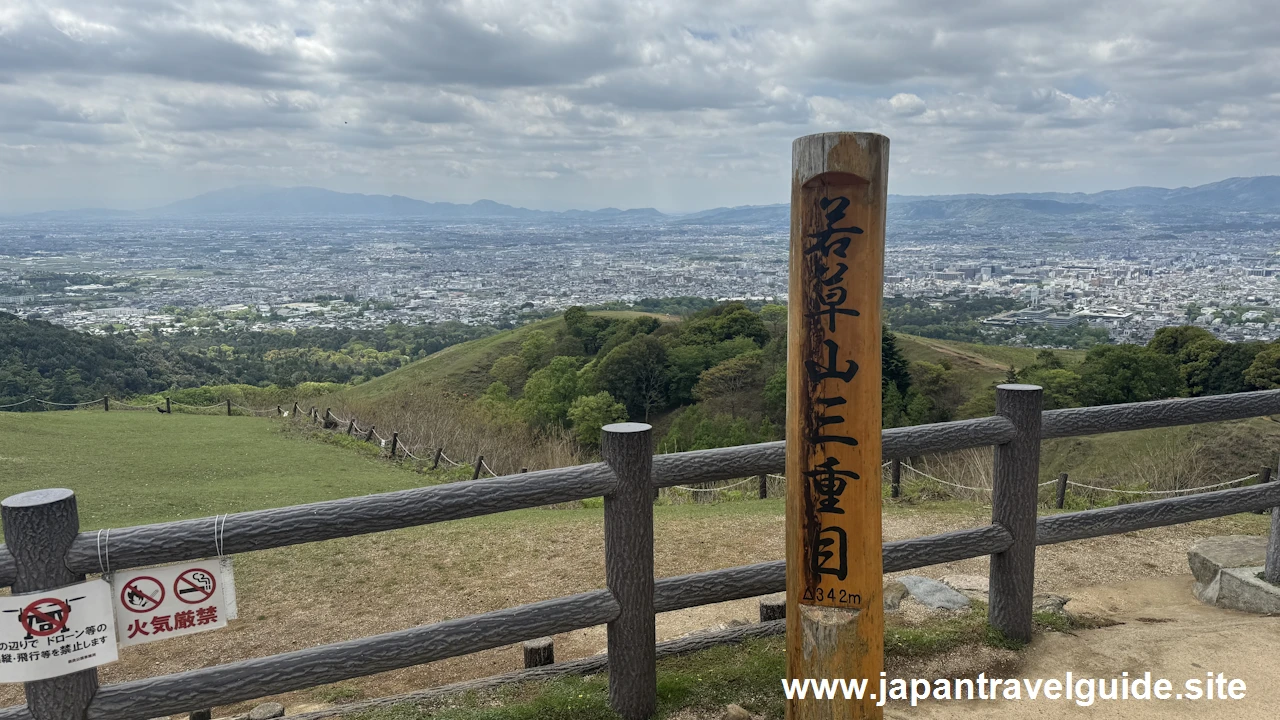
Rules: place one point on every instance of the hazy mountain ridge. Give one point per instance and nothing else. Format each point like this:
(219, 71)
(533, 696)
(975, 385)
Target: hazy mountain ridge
(1254, 194)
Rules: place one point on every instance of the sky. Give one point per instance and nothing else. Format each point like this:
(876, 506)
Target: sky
(679, 104)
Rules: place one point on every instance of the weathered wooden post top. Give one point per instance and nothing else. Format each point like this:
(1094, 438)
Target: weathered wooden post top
(835, 621)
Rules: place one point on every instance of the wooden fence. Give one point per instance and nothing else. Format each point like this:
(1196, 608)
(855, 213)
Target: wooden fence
(44, 550)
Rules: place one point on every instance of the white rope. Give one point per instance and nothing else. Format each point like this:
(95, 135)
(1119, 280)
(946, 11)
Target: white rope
(219, 532)
(714, 489)
(121, 403)
(24, 402)
(485, 465)
(1164, 492)
(198, 407)
(107, 567)
(944, 482)
(58, 404)
(449, 460)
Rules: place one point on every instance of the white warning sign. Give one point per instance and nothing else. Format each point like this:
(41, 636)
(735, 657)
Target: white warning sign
(56, 632)
(165, 602)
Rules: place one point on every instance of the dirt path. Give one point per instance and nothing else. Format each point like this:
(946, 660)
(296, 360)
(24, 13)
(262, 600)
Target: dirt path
(1164, 631)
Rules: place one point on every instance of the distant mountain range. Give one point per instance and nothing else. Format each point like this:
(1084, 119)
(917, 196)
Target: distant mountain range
(1255, 194)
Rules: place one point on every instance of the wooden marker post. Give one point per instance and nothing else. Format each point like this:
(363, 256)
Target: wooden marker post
(835, 620)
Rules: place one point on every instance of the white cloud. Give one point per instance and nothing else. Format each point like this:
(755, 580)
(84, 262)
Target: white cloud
(589, 103)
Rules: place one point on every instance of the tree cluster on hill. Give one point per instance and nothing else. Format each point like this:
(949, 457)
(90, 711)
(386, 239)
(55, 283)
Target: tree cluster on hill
(333, 355)
(717, 377)
(1184, 361)
(46, 361)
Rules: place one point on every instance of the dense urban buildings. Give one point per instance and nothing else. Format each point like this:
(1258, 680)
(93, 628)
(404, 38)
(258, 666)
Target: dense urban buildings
(1130, 272)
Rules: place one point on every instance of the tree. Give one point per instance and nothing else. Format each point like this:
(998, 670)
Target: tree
(635, 372)
(729, 379)
(1061, 387)
(510, 370)
(550, 392)
(589, 413)
(1171, 340)
(534, 350)
(774, 318)
(1127, 373)
(894, 368)
(935, 394)
(1264, 371)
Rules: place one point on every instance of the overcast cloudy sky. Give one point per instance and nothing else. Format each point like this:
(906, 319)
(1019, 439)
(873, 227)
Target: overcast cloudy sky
(676, 104)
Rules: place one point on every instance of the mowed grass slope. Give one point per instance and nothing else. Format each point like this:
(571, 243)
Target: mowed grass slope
(141, 467)
(978, 365)
(463, 369)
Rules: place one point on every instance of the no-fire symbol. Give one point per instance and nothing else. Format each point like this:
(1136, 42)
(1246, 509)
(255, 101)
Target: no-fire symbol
(142, 594)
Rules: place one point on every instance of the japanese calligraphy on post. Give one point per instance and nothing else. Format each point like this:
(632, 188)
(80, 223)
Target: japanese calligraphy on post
(838, 248)
(56, 632)
(166, 602)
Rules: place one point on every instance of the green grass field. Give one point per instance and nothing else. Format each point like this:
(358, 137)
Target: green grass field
(141, 467)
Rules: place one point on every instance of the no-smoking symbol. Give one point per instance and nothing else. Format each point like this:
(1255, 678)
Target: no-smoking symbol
(142, 594)
(45, 617)
(194, 586)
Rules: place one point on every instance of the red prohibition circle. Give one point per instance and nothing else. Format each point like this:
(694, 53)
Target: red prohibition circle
(57, 620)
(195, 588)
(132, 585)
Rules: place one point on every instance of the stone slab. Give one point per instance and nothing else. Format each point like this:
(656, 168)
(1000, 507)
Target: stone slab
(1242, 589)
(934, 594)
(1210, 556)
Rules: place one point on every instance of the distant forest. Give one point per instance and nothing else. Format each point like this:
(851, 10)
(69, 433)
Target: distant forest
(42, 360)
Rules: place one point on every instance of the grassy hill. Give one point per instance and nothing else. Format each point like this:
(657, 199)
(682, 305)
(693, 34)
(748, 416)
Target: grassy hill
(977, 365)
(141, 467)
(463, 369)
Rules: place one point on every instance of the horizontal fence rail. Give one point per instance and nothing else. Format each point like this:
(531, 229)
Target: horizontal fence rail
(1155, 513)
(736, 583)
(249, 679)
(1070, 422)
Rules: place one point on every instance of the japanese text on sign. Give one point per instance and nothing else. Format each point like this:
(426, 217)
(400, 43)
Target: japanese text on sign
(160, 603)
(56, 632)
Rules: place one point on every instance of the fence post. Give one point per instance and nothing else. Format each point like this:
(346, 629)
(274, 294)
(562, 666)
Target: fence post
(1264, 476)
(479, 464)
(540, 652)
(228, 407)
(168, 407)
(279, 411)
(328, 419)
(1062, 491)
(368, 437)
(395, 440)
(764, 486)
(38, 528)
(436, 463)
(1271, 573)
(628, 562)
(296, 410)
(524, 469)
(351, 426)
(1014, 497)
(106, 404)
(895, 478)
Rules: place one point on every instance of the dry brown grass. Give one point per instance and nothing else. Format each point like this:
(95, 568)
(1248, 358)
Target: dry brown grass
(430, 420)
